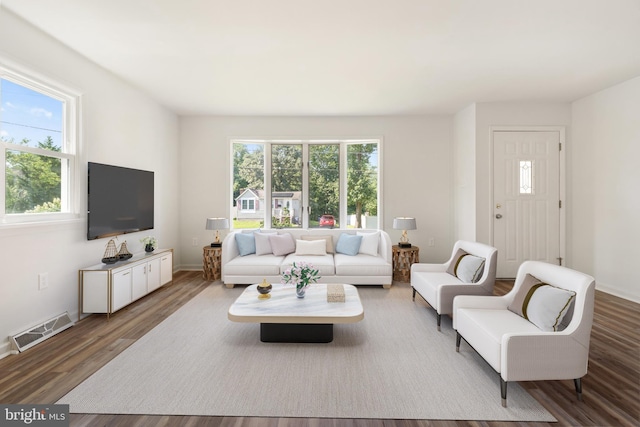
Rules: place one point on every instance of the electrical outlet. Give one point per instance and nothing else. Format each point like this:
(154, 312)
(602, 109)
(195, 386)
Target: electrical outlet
(194, 241)
(43, 281)
(432, 241)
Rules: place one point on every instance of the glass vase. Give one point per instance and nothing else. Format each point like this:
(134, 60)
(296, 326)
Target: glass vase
(300, 291)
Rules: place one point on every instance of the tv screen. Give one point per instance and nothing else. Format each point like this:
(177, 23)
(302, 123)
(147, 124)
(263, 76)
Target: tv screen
(120, 200)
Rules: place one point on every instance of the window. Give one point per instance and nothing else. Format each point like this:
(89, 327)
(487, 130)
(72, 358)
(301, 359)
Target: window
(38, 146)
(248, 205)
(526, 177)
(310, 184)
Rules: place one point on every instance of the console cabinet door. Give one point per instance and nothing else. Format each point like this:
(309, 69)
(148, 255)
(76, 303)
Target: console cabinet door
(139, 281)
(121, 289)
(166, 268)
(153, 274)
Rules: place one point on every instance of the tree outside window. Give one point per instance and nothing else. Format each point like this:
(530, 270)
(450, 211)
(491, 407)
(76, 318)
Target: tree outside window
(36, 148)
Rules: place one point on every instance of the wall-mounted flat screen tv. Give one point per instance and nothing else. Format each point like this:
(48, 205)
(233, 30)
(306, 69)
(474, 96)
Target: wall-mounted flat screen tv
(120, 200)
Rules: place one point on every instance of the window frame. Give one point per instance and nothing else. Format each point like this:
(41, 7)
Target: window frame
(267, 143)
(69, 150)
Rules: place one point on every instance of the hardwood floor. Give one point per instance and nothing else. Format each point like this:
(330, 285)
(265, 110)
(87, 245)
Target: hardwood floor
(46, 372)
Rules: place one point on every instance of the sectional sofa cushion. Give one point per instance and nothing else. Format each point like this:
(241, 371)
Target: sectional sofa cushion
(263, 246)
(254, 265)
(311, 247)
(348, 244)
(347, 265)
(542, 304)
(455, 260)
(323, 263)
(246, 244)
(470, 268)
(466, 267)
(326, 238)
(282, 244)
(369, 244)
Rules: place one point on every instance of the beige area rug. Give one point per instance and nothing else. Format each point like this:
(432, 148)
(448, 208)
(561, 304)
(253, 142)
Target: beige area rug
(393, 364)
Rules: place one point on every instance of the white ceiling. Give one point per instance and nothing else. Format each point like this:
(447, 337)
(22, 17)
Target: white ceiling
(349, 57)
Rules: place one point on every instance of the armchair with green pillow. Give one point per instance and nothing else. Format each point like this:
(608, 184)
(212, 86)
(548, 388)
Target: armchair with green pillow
(471, 270)
(540, 330)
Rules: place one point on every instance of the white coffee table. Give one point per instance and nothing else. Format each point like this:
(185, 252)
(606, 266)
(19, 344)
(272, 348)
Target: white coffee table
(286, 318)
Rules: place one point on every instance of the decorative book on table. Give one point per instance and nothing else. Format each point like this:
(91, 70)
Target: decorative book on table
(335, 293)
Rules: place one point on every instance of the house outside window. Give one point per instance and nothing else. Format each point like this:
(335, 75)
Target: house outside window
(38, 146)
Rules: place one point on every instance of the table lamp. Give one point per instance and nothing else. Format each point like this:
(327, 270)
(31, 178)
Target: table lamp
(404, 224)
(217, 224)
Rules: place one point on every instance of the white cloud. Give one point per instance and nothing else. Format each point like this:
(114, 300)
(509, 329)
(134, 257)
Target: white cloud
(34, 111)
(4, 134)
(40, 112)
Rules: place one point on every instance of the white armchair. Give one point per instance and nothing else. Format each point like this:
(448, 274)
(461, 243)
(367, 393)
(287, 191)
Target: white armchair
(520, 350)
(438, 287)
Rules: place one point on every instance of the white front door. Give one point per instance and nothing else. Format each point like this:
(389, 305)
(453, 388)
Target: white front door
(526, 198)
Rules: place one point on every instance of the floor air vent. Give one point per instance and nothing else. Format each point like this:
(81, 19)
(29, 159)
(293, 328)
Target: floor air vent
(39, 333)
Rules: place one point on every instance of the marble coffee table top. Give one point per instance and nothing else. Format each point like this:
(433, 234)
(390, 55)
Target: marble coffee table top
(285, 307)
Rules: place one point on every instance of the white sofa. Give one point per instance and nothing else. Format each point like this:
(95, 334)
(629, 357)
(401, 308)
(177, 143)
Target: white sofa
(360, 269)
(534, 332)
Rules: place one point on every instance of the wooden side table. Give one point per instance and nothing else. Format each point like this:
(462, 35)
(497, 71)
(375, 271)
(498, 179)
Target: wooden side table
(402, 260)
(212, 263)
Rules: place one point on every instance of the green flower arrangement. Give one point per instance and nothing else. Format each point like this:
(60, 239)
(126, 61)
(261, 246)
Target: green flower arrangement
(301, 275)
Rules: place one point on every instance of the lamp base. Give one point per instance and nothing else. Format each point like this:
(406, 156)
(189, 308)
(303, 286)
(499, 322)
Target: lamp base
(404, 245)
(216, 245)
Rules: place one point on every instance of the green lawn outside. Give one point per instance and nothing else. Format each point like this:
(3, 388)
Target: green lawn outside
(246, 223)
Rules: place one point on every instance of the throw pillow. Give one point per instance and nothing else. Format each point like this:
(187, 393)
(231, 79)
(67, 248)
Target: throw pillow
(453, 265)
(369, 245)
(246, 244)
(327, 238)
(348, 244)
(470, 268)
(542, 304)
(263, 246)
(282, 244)
(311, 247)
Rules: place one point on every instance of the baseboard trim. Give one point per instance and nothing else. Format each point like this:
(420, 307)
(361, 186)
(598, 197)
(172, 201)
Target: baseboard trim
(617, 292)
(6, 349)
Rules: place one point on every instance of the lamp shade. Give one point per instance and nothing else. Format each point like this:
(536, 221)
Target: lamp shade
(404, 223)
(217, 223)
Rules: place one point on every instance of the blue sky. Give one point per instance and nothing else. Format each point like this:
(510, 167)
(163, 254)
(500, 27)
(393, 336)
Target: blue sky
(25, 113)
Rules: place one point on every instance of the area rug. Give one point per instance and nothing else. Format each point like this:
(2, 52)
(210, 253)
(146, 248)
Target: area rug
(394, 364)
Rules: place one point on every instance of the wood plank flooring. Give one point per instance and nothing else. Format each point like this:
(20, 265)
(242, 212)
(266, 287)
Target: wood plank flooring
(46, 372)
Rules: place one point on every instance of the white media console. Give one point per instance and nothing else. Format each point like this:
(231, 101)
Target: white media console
(106, 288)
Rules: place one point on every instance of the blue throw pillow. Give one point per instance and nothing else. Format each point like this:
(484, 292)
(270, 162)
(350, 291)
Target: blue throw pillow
(348, 244)
(246, 244)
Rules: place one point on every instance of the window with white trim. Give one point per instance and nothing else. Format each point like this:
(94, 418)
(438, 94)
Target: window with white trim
(307, 183)
(38, 143)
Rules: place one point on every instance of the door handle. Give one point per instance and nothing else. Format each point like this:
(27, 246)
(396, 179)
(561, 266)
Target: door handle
(498, 216)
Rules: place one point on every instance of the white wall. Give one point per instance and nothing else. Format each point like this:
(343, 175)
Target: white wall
(121, 126)
(416, 161)
(605, 197)
(464, 160)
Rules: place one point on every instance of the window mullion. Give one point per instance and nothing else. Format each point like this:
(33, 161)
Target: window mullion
(343, 185)
(267, 186)
(305, 185)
